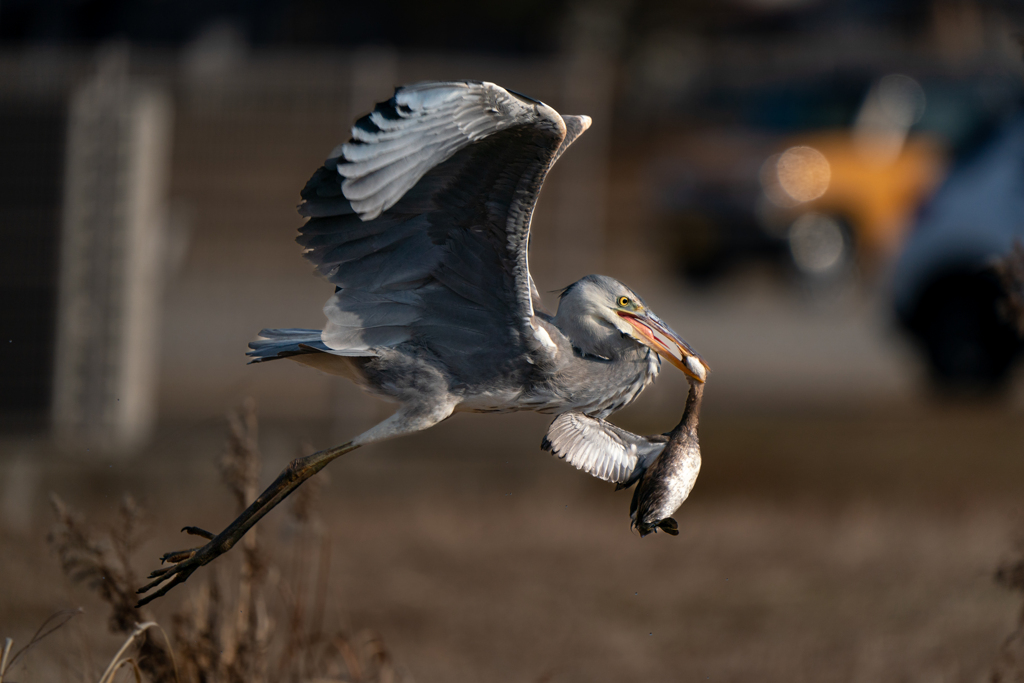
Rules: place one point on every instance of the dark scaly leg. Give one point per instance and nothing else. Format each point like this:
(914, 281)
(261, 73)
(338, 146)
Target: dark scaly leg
(187, 561)
(408, 419)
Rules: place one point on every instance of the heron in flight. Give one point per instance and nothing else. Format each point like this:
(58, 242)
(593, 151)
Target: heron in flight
(422, 222)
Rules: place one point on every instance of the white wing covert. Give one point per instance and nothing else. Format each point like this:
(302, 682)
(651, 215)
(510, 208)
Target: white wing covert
(601, 449)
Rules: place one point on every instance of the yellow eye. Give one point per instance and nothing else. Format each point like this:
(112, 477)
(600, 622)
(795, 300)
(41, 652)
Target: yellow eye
(623, 301)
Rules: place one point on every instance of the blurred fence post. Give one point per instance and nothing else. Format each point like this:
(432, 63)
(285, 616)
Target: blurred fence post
(116, 179)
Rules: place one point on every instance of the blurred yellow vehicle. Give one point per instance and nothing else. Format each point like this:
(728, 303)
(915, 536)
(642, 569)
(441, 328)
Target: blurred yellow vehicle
(837, 185)
(816, 175)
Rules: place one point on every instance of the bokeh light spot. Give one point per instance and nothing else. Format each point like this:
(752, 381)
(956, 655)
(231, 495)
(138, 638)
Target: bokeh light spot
(803, 173)
(816, 242)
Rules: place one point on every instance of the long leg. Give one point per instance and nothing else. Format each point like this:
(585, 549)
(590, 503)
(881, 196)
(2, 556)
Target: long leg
(186, 562)
(408, 419)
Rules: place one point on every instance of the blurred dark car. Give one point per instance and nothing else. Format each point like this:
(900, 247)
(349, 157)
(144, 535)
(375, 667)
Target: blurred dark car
(815, 174)
(945, 291)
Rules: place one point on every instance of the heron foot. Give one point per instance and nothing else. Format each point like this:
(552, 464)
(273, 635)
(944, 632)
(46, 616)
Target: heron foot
(183, 564)
(186, 562)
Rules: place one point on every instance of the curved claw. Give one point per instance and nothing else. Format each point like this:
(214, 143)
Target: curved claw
(196, 531)
(184, 563)
(177, 556)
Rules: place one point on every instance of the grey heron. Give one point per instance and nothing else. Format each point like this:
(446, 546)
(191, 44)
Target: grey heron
(422, 221)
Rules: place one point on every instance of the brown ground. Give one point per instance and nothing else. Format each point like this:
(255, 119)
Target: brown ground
(840, 547)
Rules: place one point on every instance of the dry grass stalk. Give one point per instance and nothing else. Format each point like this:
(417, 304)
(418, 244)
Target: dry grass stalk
(105, 566)
(1009, 667)
(240, 471)
(120, 659)
(52, 624)
(197, 636)
(220, 640)
(304, 652)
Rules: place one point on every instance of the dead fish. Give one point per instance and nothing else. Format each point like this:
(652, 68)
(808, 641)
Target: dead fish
(666, 483)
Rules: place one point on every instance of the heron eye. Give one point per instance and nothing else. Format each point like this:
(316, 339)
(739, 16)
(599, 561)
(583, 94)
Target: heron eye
(623, 301)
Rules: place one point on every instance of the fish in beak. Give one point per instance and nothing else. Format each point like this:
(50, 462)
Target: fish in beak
(652, 332)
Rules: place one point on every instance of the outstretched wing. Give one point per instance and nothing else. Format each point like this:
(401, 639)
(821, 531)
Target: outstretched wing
(422, 221)
(601, 449)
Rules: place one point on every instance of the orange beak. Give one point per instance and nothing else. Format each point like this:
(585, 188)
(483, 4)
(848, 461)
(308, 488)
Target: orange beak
(657, 335)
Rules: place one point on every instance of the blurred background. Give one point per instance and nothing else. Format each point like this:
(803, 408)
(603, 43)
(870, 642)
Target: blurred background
(812, 192)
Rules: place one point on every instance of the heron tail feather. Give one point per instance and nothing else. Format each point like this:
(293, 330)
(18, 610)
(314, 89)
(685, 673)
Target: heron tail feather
(275, 344)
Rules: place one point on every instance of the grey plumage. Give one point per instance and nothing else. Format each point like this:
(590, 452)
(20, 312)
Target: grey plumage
(421, 222)
(285, 343)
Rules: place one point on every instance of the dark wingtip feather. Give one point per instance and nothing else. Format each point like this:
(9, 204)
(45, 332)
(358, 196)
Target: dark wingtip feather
(322, 195)
(325, 183)
(366, 124)
(389, 109)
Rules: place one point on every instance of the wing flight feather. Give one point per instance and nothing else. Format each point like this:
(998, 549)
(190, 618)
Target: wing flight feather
(426, 212)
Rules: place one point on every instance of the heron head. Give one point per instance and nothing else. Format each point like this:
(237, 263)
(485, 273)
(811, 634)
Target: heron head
(610, 303)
